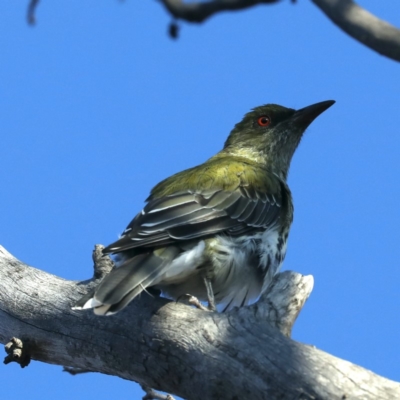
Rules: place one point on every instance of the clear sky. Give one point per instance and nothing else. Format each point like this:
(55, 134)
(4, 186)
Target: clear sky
(98, 104)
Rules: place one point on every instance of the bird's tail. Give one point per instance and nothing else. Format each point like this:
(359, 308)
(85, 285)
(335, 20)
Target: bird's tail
(124, 283)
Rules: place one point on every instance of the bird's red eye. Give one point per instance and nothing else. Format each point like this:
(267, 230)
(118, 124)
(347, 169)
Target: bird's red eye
(264, 121)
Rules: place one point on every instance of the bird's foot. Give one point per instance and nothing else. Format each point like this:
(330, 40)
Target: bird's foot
(193, 300)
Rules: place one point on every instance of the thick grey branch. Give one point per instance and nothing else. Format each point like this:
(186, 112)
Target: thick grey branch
(176, 348)
(376, 34)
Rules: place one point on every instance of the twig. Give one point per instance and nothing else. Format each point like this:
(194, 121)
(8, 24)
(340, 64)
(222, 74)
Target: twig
(31, 12)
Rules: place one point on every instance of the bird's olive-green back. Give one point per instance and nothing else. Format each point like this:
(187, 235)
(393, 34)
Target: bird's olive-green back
(219, 173)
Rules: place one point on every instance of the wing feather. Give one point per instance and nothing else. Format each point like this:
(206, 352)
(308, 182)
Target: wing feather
(206, 228)
(199, 215)
(251, 205)
(172, 213)
(249, 192)
(255, 214)
(170, 201)
(189, 215)
(237, 209)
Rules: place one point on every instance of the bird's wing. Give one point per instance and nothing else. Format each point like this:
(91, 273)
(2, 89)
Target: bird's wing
(188, 215)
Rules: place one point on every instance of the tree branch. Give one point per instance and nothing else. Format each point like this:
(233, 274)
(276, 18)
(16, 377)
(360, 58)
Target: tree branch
(200, 11)
(363, 26)
(176, 348)
(369, 30)
(357, 22)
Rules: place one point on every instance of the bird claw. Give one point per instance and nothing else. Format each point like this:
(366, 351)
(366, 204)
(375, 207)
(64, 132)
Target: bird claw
(194, 301)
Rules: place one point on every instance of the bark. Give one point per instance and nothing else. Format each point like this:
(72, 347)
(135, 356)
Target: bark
(243, 354)
(361, 25)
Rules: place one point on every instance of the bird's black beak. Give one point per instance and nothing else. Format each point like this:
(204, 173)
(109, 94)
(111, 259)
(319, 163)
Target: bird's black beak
(306, 115)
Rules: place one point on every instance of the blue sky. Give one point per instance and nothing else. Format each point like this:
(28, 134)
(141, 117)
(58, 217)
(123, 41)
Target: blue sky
(98, 104)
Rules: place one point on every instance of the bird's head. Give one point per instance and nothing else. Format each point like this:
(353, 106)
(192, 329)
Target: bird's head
(270, 134)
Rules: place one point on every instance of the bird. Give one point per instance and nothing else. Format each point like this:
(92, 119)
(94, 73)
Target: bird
(217, 231)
